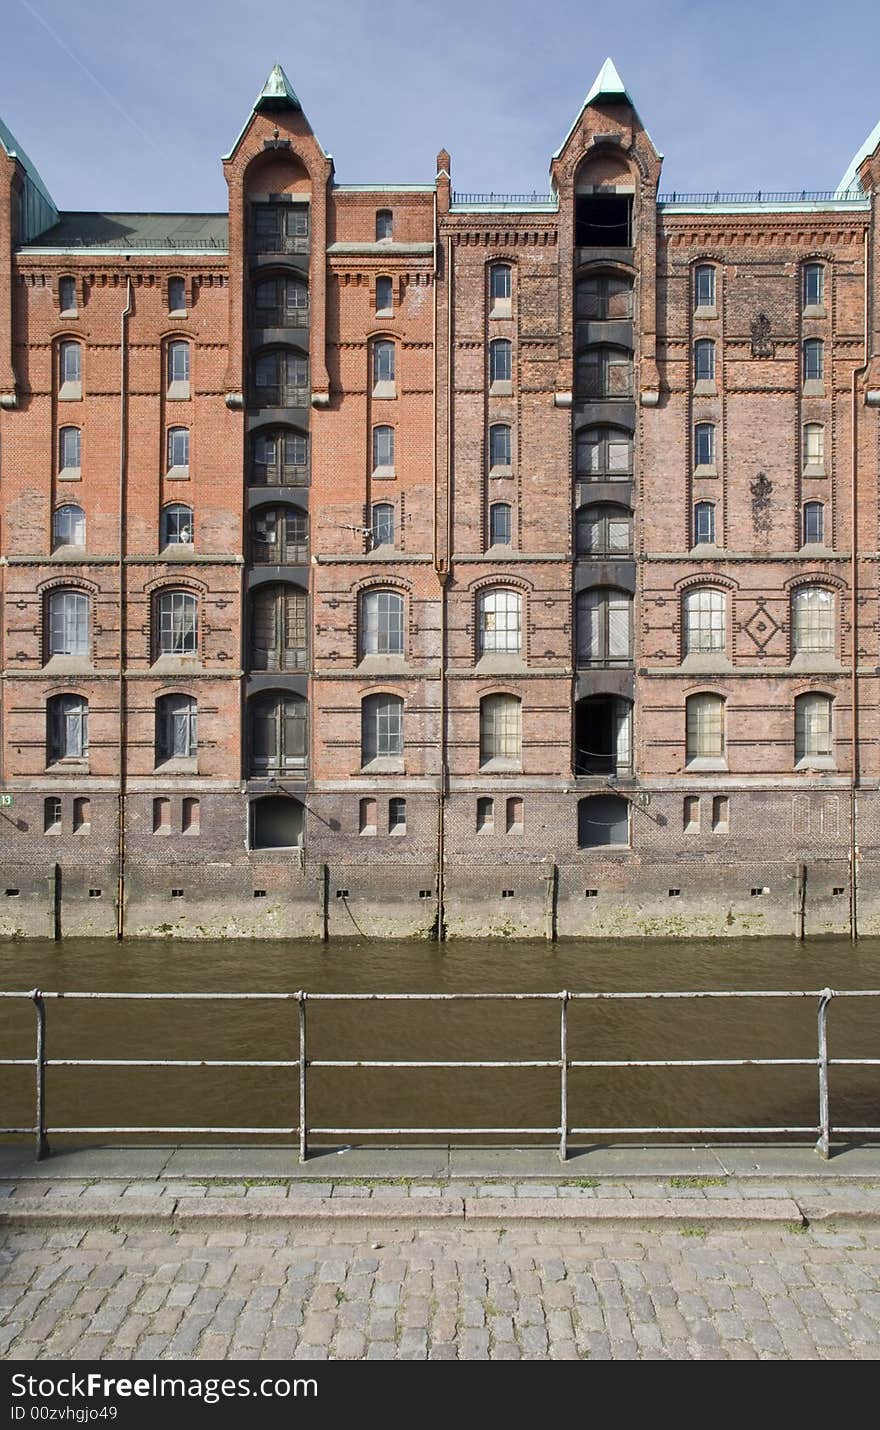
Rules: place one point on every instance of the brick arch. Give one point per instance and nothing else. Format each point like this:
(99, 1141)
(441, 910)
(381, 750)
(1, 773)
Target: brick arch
(278, 172)
(703, 578)
(66, 583)
(814, 578)
(380, 582)
(515, 583)
(175, 583)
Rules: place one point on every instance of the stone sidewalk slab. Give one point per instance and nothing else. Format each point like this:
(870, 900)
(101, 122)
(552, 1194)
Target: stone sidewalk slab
(642, 1211)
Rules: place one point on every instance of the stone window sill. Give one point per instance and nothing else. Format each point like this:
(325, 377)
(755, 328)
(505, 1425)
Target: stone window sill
(384, 312)
(706, 470)
(814, 387)
(384, 389)
(69, 313)
(72, 766)
(816, 662)
(176, 665)
(70, 474)
(384, 474)
(182, 765)
(706, 661)
(177, 313)
(69, 665)
(816, 762)
(815, 470)
(705, 388)
(383, 665)
(500, 662)
(705, 310)
(70, 392)
(177, 392)
(501, 471)
(501, 308)
(501, 389)
(384, 765)
(177, 474)
(705, 763)
(501, 767)
(815, 310)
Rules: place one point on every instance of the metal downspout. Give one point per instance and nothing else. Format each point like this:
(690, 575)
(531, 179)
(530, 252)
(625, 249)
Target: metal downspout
(854, 583)
(123, 461)
(440, 569)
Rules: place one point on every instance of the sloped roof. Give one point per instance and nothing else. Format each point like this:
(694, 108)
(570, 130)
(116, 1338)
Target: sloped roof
(850, 179)
(606, 85)
(131, 232)
(40, 210)
(277, 92)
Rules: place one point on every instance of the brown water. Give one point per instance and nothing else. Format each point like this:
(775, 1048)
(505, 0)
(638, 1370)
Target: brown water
(439, 1097)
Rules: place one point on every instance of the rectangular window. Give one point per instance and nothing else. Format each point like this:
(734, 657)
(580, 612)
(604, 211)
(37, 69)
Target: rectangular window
(814, 360)
(52, 815)
(69, 449)
(814, 445)
(499, 524)
(704, 360)
(704, 286)
(704, 523)
(705, 727)
(383, 448)
(178, 362)
(69, 624)
(814, 285)
(67, 297)
(178, 447)
(176, 295)
(814, 523)
(384, 295)
(71, 366)
(704, 444)
(383, 524)
(397, 816)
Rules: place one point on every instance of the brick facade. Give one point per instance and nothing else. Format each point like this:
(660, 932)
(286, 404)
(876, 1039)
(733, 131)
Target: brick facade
(520, 576)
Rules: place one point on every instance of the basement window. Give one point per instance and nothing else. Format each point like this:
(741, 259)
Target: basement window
(508, 893)
(95, 893)
(756, 893)
(259, 893)
(177, 893)
(425, 893)
(603, 220)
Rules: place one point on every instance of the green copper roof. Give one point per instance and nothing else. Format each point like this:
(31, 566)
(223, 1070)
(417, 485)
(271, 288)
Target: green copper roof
(277, 92)
(609, 86)
(850, 179)
(39, 211)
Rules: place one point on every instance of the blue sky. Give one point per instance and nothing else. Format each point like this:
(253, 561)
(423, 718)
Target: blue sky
(127, 107)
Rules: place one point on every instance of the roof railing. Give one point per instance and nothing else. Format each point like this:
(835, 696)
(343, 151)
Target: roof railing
(492, 198)
(762, 196)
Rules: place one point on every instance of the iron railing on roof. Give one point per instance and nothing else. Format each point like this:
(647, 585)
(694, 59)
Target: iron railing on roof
(762, 196)
(492, 198)
(123, 241)
(300, 1127)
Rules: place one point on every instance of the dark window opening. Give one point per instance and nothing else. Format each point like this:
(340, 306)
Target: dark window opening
(603, 221)
(603, 819)
(277, 822)
(602, 735)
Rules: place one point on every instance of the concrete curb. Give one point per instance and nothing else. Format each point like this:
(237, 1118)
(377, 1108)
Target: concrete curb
(480, 1212)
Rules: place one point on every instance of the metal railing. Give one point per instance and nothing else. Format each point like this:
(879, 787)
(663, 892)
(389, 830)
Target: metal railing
(42, 1130)
(764, 196)
(493, 198)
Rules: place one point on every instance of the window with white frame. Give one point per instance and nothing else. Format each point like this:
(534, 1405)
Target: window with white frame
(604, 453)
(68, 624)
(500, 728)
(178, 449)
(69, 370)
(499, 447)
(177, 525)
(381, 728)
(383, 449)
(177, 296)
(604, 626)
(704, 523)
(67, 728)
(705, 622)
(176, 728)
(67, 297)
(814, 445)
(381, 623)
(382, 524)
(178, 368)
(383, 368)
(499, 623)
(384, 225)
(177, 616)
(814, 285)
(69, 452)
(704, 360)
(500, 528)
(384, 296)
(499, 282)
(704, 722)
(704, 444)
(500, 361)
(704, 286)
(812, 727)
(814, 523)
(812, 621)
(814, 360)
(68, 526)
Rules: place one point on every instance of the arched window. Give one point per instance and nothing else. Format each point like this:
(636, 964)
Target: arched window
(381, 623)
(499, 623)
(383, 451)
(279, 458)
(704, 628)
(814, 360)
(603, 530)
(279, 628)
(67, 728)
(281, 378)
(704, 727)
(67, 297)
(384, 296)
(177, 525)
(177, 623)
(704, 444)
(812, 621)
(68, 624)
(383, 368)
(279, 535)
(178, 450)
(500, 729)
(382, 524)
(704, 523)
(177, 297)
(604, 454)
(69, 453)
(604, 626)
(384, 225)
(704, 286)
(500, 360)
(814, 446)
(381, 728)
(704, 360)
(281, 303)
(604, 371)
(178, 369)
(500, 290)
(69, 370)
(68, 526)
(814, 285)
(499, 447)
(604, 296)
(812, 728)
(499, 524)
(814, 523)
(176, 728)
(603, 819)
(279, 731)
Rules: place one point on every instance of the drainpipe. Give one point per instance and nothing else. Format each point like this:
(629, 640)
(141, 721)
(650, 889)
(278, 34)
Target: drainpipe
(854, 584)
(123, 461)
(441, 570)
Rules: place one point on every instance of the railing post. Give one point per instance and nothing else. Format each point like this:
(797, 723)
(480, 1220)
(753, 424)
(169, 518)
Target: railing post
(42, 1142)
(563, 1077)
(823, 1146)
(303, 1145)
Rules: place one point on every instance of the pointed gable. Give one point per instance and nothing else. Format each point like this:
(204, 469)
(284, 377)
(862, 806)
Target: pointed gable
(607, 89)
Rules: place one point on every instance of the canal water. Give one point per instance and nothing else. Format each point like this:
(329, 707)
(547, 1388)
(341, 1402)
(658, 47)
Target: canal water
(518, 1097)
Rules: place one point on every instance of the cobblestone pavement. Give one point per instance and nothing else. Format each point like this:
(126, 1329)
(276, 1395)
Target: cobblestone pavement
(439, 1292)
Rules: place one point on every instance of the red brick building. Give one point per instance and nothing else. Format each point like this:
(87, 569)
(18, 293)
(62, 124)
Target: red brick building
(393, 560)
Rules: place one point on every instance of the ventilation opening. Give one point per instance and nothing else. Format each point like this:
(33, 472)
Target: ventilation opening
(838, 889)
(342, 893)
(603, 221)
(675, 893)
(591, 893)
(507, 893)
(95, 893)
(259, 893)
(12, 893)
(424, 893)
(177, 893)
(756, 893)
